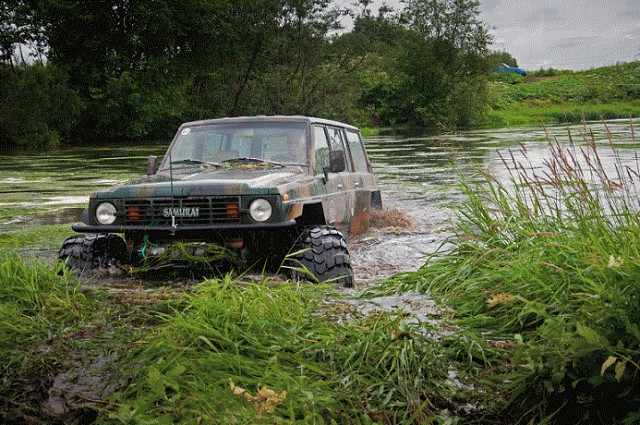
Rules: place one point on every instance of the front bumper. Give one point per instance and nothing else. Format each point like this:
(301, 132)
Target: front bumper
(84, 228)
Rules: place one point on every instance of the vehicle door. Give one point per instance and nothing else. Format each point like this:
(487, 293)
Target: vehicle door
(334, 198)
(363, 181)
(343, 181)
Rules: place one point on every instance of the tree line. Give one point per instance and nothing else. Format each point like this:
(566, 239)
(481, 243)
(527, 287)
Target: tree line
(74, 71)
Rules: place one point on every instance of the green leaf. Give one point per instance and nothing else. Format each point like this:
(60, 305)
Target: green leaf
(176, 371)
(591, 336)
(155, 381)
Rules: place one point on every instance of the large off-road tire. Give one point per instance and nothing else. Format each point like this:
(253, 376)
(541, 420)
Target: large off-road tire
(92, 251)
(321, 256)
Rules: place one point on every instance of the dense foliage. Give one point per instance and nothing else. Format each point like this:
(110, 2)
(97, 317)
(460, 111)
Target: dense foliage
(125, 69)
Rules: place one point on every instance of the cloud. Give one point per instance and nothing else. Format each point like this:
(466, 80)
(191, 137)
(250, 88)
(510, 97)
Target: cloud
(568, 34)
(572, 34)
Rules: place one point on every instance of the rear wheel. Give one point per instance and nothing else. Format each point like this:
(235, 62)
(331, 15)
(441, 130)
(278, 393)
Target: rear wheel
(93, 251)
(322, 256)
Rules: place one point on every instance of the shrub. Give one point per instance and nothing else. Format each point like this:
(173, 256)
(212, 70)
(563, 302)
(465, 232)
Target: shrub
(38, 108)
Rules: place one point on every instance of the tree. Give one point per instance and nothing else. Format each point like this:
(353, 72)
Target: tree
(131, 61)
(17, 32)
(372, 46)
(142, 65)
(495, 59)
(277, 59)
(441, 61)
(422, 66)
(37, 107)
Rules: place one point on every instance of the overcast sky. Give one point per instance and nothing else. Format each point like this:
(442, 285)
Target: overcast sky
(562, 34)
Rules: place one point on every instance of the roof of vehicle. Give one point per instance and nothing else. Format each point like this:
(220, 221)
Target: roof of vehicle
(272, 118)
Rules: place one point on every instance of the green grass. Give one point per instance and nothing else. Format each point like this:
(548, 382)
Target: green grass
(33, 300)
(301, 353)
(370, 132)
(35, 237)
(34, 307)
(547, 266)
(327, 363)
(608, 92)
(524, 115)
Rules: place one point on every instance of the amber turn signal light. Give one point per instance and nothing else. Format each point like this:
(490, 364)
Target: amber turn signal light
(233, 211)
(133, 213)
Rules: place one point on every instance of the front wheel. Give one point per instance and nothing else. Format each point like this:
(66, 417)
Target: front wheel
(321, 256)
(92, 251)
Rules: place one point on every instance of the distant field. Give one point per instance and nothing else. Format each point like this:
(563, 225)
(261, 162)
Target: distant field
(608, 92)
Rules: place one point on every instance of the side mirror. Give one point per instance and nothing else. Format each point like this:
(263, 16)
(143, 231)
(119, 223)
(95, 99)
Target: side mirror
(152, 165)
(336, 161)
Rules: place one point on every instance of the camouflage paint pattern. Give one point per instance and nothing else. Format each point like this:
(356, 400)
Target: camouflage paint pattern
(345, 197)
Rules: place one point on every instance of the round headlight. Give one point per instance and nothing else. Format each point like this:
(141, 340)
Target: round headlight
(260, 210)
(106, 213)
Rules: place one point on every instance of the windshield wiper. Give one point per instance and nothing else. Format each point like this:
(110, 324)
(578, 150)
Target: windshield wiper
(196, 161)
(249, 159)
(260, 160)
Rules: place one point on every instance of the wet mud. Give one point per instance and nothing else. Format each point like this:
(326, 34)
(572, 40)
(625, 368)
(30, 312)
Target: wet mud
(61, 216)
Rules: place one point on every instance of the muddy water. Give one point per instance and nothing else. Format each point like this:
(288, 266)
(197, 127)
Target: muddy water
(35, 182)
(414, 174)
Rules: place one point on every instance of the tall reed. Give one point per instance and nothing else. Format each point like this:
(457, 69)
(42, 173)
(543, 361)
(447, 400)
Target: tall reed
(37, 305)
(549, 262)
(33, 299)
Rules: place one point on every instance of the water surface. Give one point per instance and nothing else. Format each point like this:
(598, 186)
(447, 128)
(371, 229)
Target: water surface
(415, 175)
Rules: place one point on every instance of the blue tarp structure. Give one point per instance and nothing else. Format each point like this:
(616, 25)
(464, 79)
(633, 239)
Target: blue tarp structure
(507, 68)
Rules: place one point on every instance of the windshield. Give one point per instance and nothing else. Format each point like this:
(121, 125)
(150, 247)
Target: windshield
(283, 143)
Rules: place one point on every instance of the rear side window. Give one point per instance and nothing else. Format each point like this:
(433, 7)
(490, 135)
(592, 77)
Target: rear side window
(357, 152)
(337, 144)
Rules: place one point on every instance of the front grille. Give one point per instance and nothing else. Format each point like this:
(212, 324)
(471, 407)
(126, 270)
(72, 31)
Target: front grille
(187, 211)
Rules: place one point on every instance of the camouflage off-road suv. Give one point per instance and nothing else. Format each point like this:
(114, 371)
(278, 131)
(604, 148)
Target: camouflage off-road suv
(261, 186)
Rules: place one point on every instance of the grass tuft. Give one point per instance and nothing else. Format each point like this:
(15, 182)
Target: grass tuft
(548, 262)
(275, 340)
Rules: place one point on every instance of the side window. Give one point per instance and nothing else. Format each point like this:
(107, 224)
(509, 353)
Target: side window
(337, 144)
(321, 148)
(287, 147)
(357, 152)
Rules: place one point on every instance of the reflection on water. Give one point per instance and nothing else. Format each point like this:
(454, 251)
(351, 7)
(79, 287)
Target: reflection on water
(32, 184)
(414, 174)
(62, 216)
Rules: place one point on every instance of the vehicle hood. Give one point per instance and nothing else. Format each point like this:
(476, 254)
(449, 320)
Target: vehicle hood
(208, 182)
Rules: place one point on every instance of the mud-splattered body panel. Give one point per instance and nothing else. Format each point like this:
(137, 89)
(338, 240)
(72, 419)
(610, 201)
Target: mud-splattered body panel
(244, 182)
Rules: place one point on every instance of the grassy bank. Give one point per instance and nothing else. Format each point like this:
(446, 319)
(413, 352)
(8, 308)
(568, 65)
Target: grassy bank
(607, 92)
(546, 267)
(221, 351)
